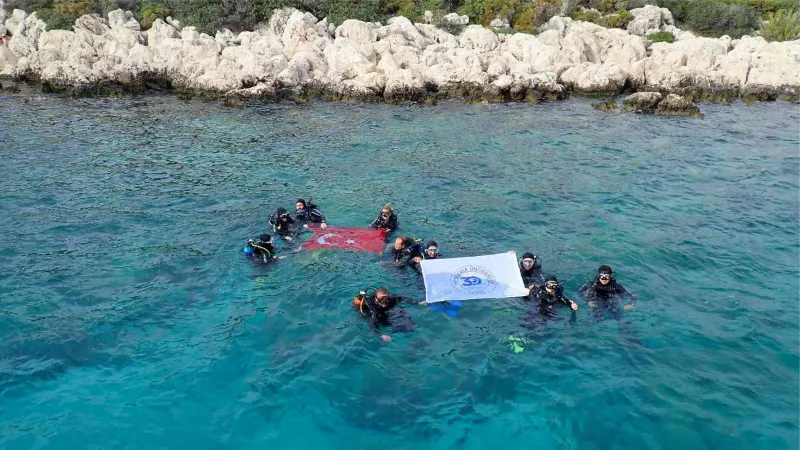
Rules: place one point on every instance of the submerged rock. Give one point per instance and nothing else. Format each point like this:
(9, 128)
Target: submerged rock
(656, 103)
(675, 105)
(642, 102)
(609, 105)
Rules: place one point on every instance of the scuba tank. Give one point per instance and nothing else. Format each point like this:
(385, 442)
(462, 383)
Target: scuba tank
(360, 300)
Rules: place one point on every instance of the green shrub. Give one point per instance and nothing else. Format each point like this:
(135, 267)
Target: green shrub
(472, 8)
(604, 6)
(505, 30)
(661, 36)
(498, 8)
(764, 7)
(56, 20)
(410, 9)
(147, 12)
(714, 18)
(783, 25)
(618, 20)
(586, 15)
(530, 16)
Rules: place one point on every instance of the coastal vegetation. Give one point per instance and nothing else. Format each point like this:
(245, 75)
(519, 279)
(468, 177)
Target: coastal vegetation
(776, 19)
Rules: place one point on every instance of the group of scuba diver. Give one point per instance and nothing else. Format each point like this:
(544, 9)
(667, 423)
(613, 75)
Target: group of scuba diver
(380, 308)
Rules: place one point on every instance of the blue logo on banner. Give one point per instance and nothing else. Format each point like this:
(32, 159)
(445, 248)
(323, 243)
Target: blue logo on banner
(470, 281)
(473, 280)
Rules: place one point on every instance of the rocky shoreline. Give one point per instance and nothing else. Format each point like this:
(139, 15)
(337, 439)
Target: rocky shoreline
(296, 56)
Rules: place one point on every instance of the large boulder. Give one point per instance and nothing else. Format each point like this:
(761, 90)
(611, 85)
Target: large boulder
(3, 15)
(595, 79)
(357, 31)
(120, 19)
(645, 20)
(454, 19)
(8, 61)
(15, 21)
(478, 38)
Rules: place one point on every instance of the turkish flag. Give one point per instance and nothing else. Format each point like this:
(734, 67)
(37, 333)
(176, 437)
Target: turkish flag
(357, 239)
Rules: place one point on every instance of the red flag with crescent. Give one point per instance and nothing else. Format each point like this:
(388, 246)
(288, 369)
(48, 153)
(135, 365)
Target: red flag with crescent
(356, 239)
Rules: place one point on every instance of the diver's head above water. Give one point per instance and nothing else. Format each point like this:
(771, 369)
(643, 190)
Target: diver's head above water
(604, 274)
(551, 284)
(382, 297)
(432, 249)
(529, 261)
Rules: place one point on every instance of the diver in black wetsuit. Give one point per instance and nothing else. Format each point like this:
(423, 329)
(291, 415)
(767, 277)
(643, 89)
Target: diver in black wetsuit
(549, 296)
(283, 224)
(264, 250)
(530, 267)
(376, 308)
(404, 250)
(386, 220)
(604, 290)
(308, 213)
(431, 252)
(603, 294)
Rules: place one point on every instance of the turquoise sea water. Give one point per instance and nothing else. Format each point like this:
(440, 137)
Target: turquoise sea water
(129, 318)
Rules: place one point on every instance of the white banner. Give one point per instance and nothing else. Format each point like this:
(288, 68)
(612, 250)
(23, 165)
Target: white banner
(490, 276)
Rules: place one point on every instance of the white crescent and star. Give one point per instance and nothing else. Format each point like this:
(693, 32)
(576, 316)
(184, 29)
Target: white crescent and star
(322, 239)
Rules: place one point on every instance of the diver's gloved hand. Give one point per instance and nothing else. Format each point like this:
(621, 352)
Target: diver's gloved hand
(422, 303)
(593, 304)
(527, 292)
(629, 308)
(386, 338)
(573, 305)
(288, 238)
(323, 225)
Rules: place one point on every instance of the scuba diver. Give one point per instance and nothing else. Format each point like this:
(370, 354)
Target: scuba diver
(603, 293)
(262, 251)
(530, 267)
(431, 252)
(405, 250)
(386, 220)
(307, 212)
(282, 223)
(604, 289)
(376, 307)
(550, 295)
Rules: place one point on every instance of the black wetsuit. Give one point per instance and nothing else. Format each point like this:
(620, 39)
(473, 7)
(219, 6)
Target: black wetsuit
(549, 303)
(283, 229)
(309, 214)
(607, 297)
(263, 252)
(389, 224)
(594, 290)
(379, 316)
(532, 278)
(405, 256)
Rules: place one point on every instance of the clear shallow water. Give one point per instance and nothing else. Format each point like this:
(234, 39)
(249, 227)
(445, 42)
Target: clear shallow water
(130, 320)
